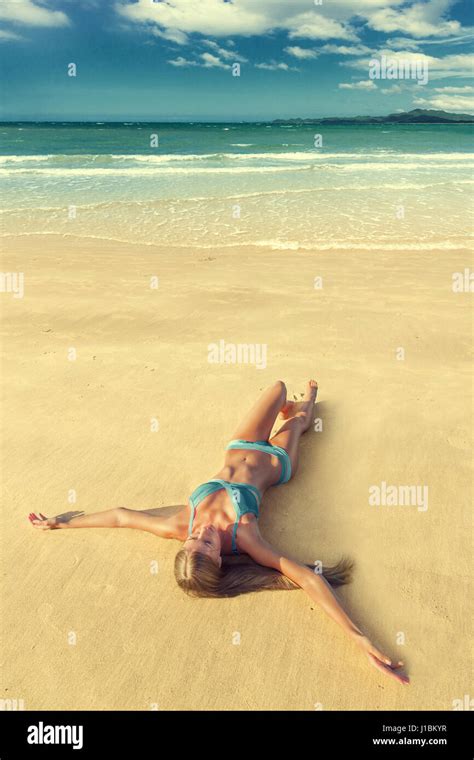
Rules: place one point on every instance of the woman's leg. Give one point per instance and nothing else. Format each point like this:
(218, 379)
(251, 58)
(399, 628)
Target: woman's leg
(299, 419)
(258, 423)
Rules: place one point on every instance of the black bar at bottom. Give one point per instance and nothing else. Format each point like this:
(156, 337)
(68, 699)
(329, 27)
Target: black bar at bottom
(135, 734)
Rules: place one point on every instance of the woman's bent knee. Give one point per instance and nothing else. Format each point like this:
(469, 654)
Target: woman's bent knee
(280, 386)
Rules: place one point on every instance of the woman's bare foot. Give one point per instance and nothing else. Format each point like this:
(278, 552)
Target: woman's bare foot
(307, 405)
(292, 408)
(301, 410)
(311, 391)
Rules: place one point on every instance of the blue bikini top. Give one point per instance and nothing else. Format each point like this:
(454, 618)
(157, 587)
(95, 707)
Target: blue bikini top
(244, 497)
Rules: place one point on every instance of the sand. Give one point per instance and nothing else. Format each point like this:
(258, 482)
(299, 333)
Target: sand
(88, 620)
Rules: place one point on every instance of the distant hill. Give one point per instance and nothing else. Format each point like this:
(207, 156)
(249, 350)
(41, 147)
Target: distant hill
(417, 116)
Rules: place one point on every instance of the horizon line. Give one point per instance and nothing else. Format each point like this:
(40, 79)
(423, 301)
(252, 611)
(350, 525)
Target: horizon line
(228, 121)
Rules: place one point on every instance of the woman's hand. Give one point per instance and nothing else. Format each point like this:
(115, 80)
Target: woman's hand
(381, 661)
(42, 522)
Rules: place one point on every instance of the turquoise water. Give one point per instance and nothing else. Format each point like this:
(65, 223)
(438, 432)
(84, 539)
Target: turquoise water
(232, 184)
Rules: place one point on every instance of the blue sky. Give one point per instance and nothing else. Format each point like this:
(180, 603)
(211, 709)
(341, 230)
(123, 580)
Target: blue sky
(173, 59)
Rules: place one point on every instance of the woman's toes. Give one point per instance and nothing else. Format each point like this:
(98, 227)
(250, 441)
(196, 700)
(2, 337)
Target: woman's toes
(311, 391)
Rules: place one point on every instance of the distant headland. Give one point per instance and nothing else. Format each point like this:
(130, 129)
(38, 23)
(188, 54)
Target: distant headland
(417, 116)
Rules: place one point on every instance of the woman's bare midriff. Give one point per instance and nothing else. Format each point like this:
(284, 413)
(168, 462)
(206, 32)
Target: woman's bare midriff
(253, 467)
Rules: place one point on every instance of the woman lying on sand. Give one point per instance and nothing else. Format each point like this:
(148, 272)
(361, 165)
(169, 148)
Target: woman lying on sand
(222, 519)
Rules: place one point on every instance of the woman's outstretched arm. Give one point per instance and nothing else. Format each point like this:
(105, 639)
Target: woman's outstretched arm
(119, 517)
(319, 590)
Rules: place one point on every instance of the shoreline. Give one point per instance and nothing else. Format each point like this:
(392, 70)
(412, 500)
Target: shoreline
(236, 247)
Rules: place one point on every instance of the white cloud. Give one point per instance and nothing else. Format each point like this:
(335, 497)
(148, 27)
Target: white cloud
(219, 18)
(456, 103)
(208, 17)
(365, 84)
(29, 13)
(9, 36)
(450, 66)
(456, 90)
(173, 35)
(219, 58)
(393, 90)
(205, 60)
(275, 66)
(337, 19)
(405, 43)
(180, 61)
(316, 26)
(345, 49)
(302, 53)
(423, 19)
(212, 61)
(227, 55)
(457, 99)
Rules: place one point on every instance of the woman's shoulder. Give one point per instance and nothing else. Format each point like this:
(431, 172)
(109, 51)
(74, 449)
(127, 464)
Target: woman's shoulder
(248, 533)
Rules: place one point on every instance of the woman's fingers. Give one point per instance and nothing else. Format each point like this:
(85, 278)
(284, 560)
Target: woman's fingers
(383, 658)
(380, 656)
(389, 670)
(41, 522)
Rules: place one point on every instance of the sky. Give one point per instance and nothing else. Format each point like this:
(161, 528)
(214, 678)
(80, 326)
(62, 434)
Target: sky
(178, 60)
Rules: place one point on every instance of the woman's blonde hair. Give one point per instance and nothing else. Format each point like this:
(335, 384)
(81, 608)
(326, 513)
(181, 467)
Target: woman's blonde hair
(199, 576)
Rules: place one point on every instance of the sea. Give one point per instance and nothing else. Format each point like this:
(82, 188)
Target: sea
(283, 186)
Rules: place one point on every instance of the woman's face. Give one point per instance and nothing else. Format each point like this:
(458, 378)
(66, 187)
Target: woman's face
(207, 541)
